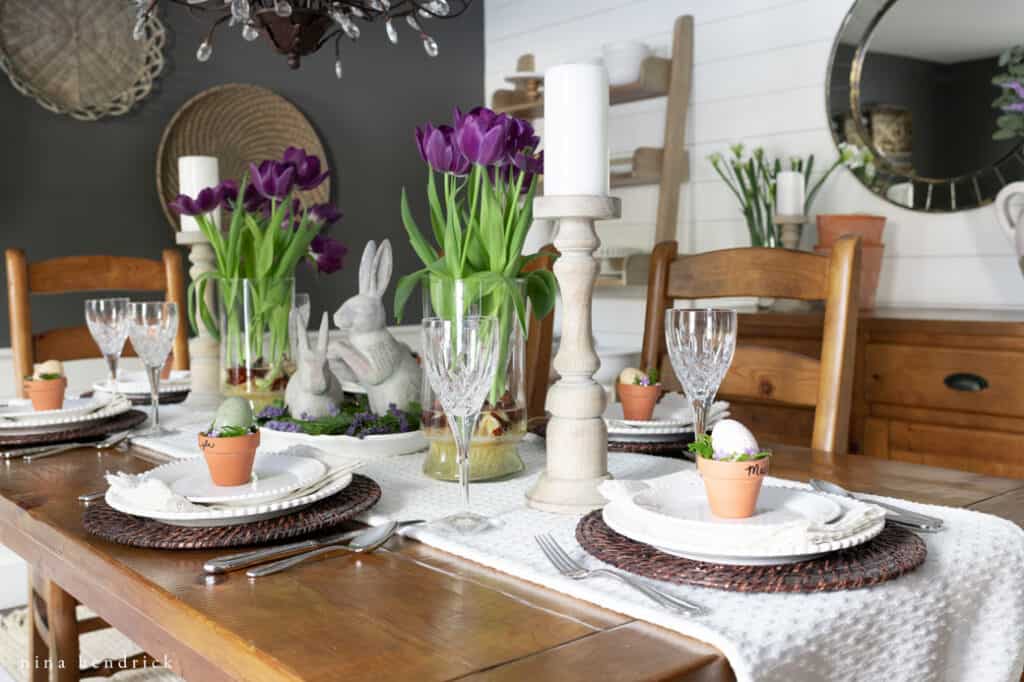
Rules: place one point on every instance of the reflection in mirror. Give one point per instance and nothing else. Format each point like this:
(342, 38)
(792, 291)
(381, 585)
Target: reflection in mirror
(913, 81)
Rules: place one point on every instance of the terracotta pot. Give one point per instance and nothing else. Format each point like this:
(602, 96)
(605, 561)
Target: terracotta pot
(230, 459)
(46, 394)
(638, 401)
(870, 271)
(732, 487)
(832, 227)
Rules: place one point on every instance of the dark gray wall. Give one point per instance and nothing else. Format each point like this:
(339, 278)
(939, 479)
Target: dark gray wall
(74, 188)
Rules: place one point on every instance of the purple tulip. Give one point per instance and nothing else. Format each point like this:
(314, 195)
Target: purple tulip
(325, 214)
(293, 218)
(307, 168)
(521, 137)
(253, 201)
(437, 147)
(206, 201)
(273, 179)
(483, 136)
(328, 253)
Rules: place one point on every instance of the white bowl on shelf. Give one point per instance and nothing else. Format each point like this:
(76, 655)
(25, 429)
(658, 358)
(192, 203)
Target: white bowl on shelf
(623, 60)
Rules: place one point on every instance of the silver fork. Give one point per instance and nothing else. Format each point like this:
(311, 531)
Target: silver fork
(568, 567)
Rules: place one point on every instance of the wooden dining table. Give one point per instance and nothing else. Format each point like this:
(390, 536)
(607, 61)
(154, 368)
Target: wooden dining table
(406, 612)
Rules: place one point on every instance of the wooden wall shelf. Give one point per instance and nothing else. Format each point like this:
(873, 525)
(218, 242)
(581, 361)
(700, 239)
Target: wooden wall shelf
(633, 272)
(645, 168)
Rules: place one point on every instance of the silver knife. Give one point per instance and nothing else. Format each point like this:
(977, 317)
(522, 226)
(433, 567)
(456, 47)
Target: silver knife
(234, 562)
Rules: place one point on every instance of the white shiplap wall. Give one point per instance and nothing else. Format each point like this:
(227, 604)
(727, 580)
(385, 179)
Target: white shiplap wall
(759, 78)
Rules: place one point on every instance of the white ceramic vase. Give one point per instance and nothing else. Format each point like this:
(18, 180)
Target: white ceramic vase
(1009, 207)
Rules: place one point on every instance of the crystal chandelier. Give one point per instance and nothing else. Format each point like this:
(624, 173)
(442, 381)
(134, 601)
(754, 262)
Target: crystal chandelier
(297, 28)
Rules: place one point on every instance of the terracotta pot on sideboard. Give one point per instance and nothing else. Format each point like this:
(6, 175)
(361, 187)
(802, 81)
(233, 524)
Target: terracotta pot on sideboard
(732, 487)
(833, 226)
(46, 394)
(638, 401)
(870, 271)
(230, 459)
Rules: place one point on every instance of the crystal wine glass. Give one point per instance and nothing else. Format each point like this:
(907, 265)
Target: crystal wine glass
(701, 344)
(152, 327)
(460, 358)
(107, 319)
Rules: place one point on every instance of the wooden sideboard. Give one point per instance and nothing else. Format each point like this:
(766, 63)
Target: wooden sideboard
(937, 387)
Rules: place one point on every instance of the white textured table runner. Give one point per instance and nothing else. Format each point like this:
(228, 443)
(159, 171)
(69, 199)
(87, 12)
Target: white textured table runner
(957, 618)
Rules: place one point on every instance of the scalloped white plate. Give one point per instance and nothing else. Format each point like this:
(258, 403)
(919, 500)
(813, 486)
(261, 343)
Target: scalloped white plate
(225, 515)
(21, 410)
(662, 517)
(274, 476)
(45, 423)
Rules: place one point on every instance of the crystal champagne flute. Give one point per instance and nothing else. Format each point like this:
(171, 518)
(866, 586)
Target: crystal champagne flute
(152, 327)
(700, 344)
(107, 319)
(459, 358)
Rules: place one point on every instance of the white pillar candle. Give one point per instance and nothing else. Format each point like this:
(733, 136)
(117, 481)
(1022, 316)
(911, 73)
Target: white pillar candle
(576, 130)
(789, 193)
(196, 173)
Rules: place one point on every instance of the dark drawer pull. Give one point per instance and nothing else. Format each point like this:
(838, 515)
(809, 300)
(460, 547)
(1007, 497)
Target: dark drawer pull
(964, 381)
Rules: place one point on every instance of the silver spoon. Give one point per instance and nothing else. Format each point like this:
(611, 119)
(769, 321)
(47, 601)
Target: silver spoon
(367, 541)
(906, 516)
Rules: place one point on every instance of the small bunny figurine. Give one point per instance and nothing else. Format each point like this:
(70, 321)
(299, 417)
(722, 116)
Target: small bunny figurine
(313, 391)
(373, 357)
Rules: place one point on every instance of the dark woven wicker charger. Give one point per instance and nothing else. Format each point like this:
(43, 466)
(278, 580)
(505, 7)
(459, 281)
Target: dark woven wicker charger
(891, 554)
(125, 529)
(166, 398)
(675, 448)
(74, 432)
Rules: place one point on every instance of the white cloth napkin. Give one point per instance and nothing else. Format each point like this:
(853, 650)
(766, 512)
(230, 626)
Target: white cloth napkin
(724, 537)
(143, 492)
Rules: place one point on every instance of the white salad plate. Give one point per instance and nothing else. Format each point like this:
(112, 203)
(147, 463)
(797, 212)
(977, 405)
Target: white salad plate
(383, 445)
(274, 476)
(21, 410)
(671, 416)
(134, 382)
(227, 515)
(50, 420)
(678, 521)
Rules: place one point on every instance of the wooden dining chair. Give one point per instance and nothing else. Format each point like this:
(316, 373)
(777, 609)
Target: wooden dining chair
(539, 338)
(77, 274)
(53, 624)
(770, 375)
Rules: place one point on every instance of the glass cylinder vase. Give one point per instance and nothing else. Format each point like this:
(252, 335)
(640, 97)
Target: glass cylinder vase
(494, 449)
(255, 360)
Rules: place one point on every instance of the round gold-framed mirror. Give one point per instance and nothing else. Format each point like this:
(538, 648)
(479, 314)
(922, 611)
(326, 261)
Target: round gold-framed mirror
(933, 92)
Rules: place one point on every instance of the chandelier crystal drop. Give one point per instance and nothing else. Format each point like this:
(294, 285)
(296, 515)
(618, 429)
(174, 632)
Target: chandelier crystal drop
(299, 28)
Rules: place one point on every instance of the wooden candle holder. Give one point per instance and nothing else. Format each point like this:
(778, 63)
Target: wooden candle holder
(791, 228)
(203, 349)
(577, 438)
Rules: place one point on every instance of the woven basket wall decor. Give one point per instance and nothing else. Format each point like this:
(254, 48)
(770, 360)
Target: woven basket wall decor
(78, 57)
(238, 124)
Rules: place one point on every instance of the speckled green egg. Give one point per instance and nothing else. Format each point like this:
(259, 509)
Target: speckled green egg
(233, 412)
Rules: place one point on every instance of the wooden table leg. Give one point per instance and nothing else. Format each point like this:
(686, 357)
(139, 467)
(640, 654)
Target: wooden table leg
(37, 650)
(63, 627)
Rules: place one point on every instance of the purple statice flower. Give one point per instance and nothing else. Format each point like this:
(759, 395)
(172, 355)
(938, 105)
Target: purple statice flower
(307, 168)
(483, 136)
(328, 253)
(271, 412)
(272, 179)
(437, 147)
(334, 410)
(287, 427)
(1015, 86)
(1016, 106)
(306, 417)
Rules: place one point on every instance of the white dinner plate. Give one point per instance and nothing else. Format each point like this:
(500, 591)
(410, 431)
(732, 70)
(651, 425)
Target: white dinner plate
(21, 410)
(671, 416)
(135, 382)
(678, 521)
(274, 476)
(43, 422)
(221, 515)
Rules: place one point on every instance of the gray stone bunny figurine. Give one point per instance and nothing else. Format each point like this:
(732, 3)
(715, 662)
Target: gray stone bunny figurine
(313, 391)
(384, 366)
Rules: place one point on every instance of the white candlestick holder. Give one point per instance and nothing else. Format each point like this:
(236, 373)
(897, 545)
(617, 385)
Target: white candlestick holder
(203, 349)
(577, 438)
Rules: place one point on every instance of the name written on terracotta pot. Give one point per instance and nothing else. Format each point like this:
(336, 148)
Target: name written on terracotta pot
(205, 443)
(757, 469)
